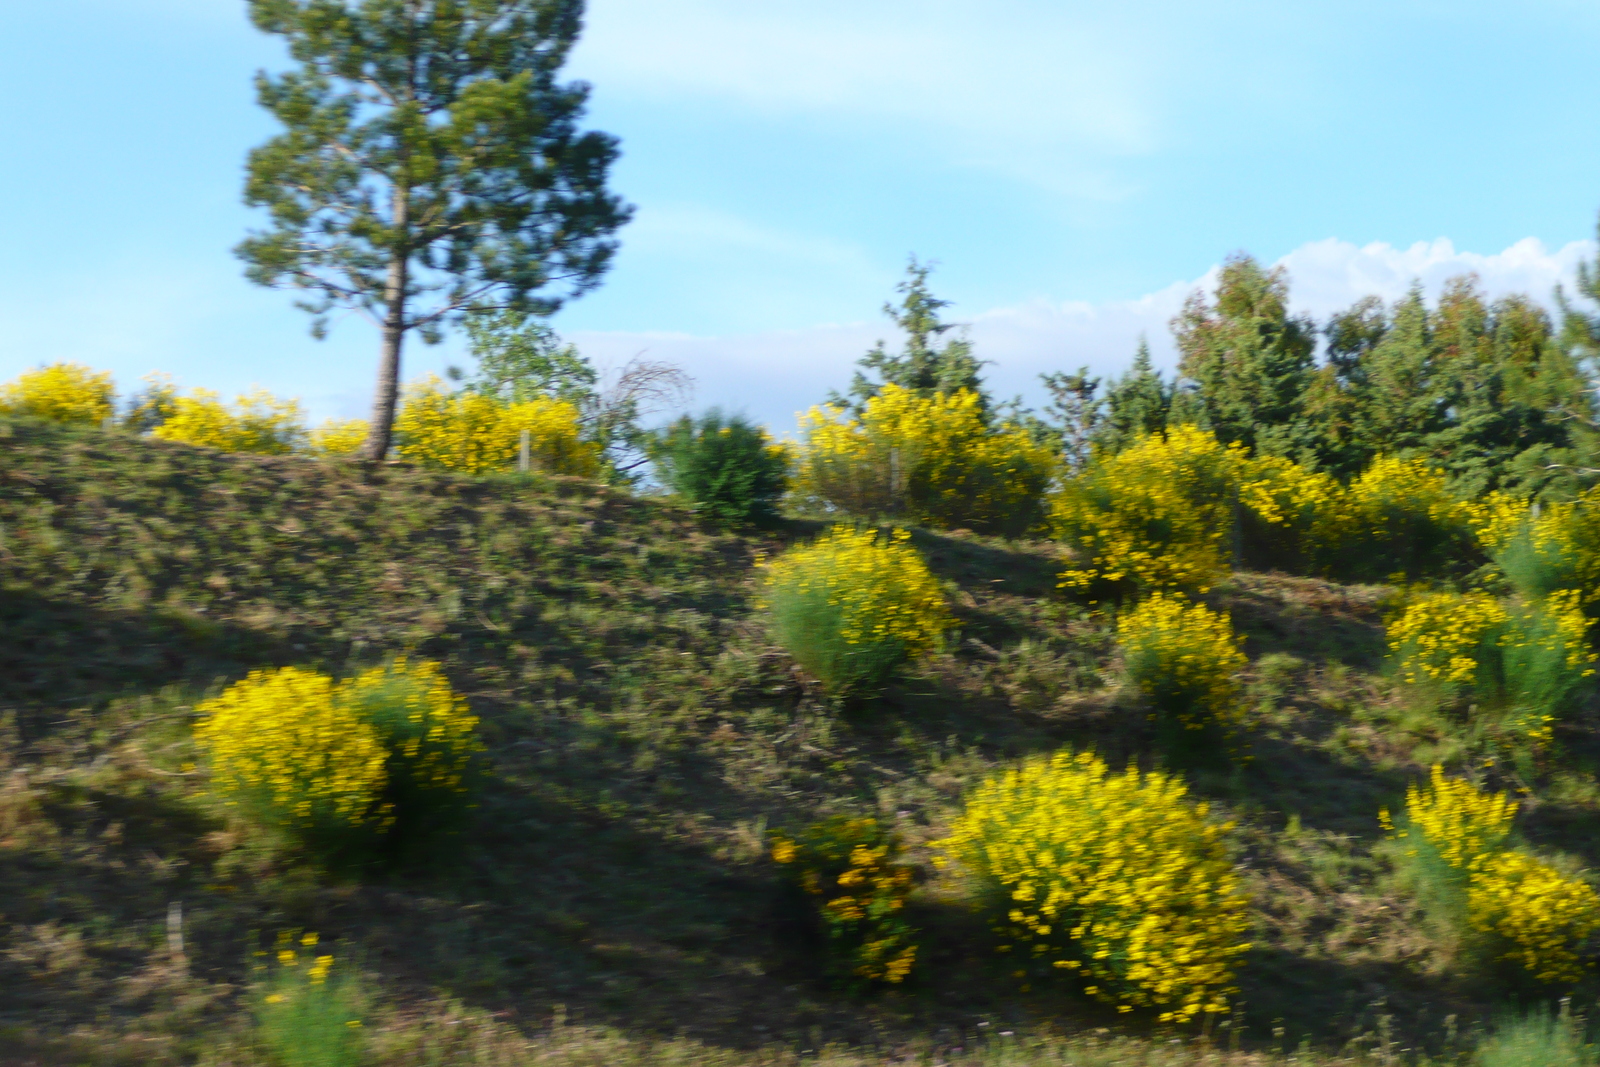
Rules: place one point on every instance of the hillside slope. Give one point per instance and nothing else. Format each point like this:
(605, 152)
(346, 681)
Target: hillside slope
(643, 734)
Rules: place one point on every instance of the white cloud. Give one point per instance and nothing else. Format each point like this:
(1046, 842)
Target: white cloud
(773, 375)
(1330, 275)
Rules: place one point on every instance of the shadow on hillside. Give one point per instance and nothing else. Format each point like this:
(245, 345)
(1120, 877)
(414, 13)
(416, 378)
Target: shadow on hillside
(1307, 618)
(59, 655)
(88, 876)
(985, 566)
(1334, 1002)
(1326, 793)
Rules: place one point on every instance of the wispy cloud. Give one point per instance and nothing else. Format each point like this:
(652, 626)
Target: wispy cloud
(1030, 89)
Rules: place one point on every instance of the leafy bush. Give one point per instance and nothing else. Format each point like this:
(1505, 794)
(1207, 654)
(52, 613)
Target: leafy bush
(1518, 909)
(852, 606)
(61, 392)
(430, 736)
(1521, 665)
(336, 766)
(1184, 658)
(306, 1015)
(932, 460)
(851, 867)
(1119, 879)
(258, 422)
(339, 437)
(476, 433)
(729, 469)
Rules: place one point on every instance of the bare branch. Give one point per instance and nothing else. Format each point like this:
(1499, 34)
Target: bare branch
(648, 386)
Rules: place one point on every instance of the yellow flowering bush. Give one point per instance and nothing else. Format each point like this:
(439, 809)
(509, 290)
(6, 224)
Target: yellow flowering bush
(430, 736)
(1537, 917)
(1156, 515)
(1440, 637)
(1496, 519)
(257, 422)
(1552, 549)
(61, 392)
(1522, 663)
(1119, 879)
(1527, 912)
(932, 460)
(308, 1015)
(852, 606)
(339, 437)
(1398, 517)
(851, 868)
(474, 433)
(1170, 511)
(1185, 659)
(1453, 819)
(286, 751)
(334, 765)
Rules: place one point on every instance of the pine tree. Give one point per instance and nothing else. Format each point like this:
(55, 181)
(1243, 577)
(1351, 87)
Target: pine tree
(924, 366)
(1137, 403)
(1249, 359)
(431, 166)
(1579, 340)
(1482, 389)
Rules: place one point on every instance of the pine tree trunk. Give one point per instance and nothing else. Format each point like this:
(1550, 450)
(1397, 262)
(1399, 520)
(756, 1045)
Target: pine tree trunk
(387, 395)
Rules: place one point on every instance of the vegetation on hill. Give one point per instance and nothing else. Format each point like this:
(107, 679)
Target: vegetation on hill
(612, 897)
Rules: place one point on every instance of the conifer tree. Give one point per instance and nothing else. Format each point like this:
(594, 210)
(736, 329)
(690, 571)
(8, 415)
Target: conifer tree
(1482, 389)
(1579, 340)
(924, 366)
(431, 166)
(1250, 360)
(1137, 403)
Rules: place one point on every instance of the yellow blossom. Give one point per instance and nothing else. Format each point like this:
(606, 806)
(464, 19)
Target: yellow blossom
(60, 392)
(1119, 878)
(932, 460)
(257, 422)
(476, 434)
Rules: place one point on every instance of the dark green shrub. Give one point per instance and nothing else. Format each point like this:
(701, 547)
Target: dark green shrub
(729, 469)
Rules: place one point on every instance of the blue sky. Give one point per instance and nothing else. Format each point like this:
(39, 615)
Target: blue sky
(1074, 168)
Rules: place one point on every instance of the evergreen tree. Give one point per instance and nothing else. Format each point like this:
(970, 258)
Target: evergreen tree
(1249, 360)
(924, 366)
(1073, 416)
(1137, 403)
(1579, 341)
(1502, 377)
(1479, 388)
(520, 357)
(431, 166)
